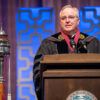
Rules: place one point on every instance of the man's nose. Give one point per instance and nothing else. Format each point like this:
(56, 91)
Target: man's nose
(67, 19)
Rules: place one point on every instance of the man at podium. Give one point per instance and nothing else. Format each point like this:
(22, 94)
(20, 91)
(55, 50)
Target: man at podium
(68, 40)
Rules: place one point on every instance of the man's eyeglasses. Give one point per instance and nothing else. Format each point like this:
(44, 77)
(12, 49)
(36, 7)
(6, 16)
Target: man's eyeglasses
(69, 17)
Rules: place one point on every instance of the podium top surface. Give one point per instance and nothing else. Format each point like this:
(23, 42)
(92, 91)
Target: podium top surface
(72, 58)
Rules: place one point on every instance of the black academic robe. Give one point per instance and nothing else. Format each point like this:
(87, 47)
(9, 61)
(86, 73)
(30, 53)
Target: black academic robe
(55, 44)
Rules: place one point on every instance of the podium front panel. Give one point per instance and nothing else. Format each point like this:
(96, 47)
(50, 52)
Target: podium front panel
(59, 84)
(65, 74)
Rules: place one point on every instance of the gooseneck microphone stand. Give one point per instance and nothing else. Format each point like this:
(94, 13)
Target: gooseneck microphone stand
(74, 46)
(4, 51)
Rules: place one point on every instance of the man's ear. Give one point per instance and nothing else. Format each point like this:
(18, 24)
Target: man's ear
(78, 21)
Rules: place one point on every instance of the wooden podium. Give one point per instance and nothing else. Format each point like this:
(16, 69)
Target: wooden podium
(66, 73)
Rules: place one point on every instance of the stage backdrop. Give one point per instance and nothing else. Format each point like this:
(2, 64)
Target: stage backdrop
(32, 26)
(8, 10)
(90, 21)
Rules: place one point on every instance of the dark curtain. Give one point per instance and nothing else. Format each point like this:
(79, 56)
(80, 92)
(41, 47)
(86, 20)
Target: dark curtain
(8, 9)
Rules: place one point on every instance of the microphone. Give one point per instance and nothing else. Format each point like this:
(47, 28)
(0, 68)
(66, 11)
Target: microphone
(83, 43)
(72, 43)
(88, 39)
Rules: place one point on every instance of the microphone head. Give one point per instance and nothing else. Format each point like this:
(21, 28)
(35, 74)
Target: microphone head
(84, 42)
(72, 42)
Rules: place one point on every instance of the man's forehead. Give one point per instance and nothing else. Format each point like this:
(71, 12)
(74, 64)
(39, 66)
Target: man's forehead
(68, 11)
